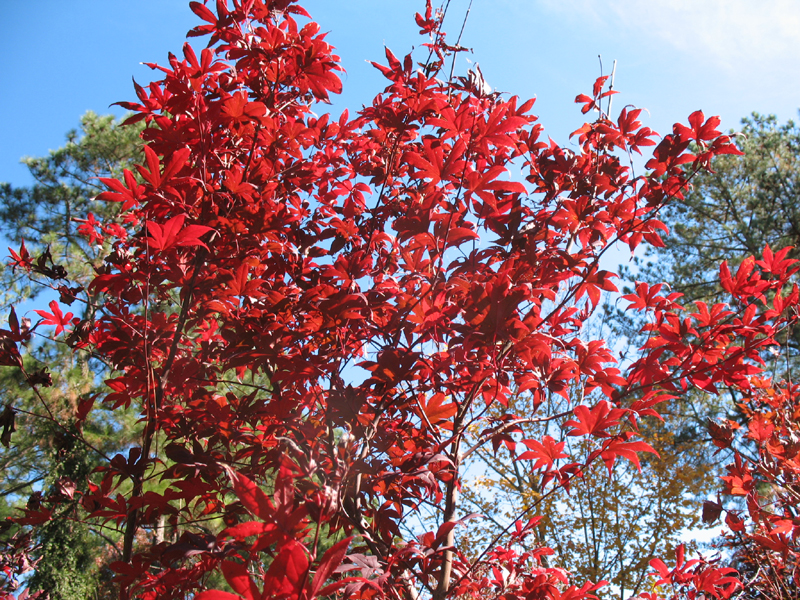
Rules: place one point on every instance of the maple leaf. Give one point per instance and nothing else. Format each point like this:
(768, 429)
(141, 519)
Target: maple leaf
(22, 259)
(216, 595)
(436, 411)
(288, 571)
(427, 23)
(238, 108)
(776, 263)
(700, 130)
(253, 497)
(596, 420)
(621, 447)
(328, 565)
(56, 318)
(239, 579)
(129, 193)
(88, 228)
(545, 452)
(173, 233)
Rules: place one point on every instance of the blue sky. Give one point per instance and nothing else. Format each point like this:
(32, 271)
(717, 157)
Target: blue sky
(726, 57)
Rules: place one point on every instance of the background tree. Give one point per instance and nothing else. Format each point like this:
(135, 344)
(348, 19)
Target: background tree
(761, 483)
(728, 213)
(43, 452)
(746, 203)
(51, 212)
(610, 525)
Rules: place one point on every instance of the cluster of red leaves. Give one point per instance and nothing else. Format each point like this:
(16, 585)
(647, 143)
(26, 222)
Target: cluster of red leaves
(765, 472)
(694, 579)
(314, 315)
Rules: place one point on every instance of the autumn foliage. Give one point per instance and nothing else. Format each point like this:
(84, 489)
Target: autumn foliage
(314, 314)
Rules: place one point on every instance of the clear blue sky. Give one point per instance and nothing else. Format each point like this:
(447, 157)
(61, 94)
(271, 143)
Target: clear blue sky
(726, 57)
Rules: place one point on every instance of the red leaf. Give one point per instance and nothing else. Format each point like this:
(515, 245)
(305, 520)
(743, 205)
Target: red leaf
(288, 571)
(57, 318)
(711, 511)
(253, 497)
(239, 579)
(201, 11)
(459, 235)
(241, 531)
(173, 233)
(660, 567)
(177, 161)
(437, 411)
(23, 259)
(622, 448)
(130, 193)
(595, 421)
(330, 561)
(216, 595)
(152, 173)
(725, 279)
(545, 452)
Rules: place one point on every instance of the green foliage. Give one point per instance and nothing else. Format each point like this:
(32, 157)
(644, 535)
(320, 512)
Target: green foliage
(68, 568)
(67, 182)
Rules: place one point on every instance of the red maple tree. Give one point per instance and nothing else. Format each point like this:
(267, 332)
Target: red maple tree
(315, 314)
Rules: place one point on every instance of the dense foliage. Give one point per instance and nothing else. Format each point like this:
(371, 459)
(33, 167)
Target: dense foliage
(320, 320)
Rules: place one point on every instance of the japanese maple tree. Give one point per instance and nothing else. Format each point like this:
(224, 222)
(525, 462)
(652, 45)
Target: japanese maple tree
(315, 314)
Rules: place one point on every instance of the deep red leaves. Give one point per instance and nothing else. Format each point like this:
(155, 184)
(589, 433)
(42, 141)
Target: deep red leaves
(21, 259)
(699, 130)
(544, 453)
(288, 571)
(621, 448)
(239, 109)
(129, 193)
(697, 578)
(253, 497)
(427, 23)
(327, 566)
(238, 578)
(216, 595)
